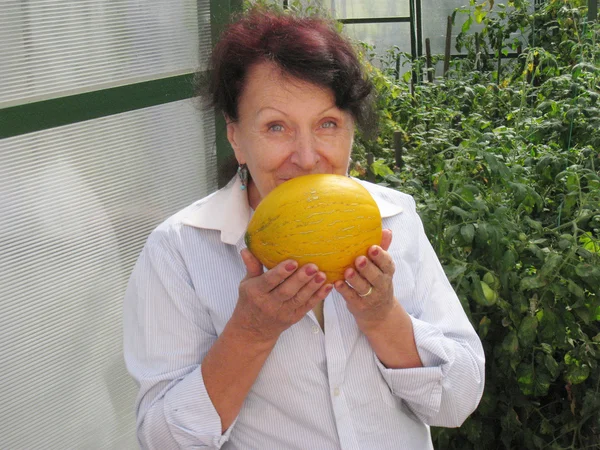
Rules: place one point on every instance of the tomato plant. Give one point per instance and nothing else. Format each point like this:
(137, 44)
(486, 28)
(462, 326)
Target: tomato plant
(505, 171)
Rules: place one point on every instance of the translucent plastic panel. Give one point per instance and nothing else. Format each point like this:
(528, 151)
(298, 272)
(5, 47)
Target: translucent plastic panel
(76, 205)
(52, 48)
(353, 9)
(383, 36)
(435, 21)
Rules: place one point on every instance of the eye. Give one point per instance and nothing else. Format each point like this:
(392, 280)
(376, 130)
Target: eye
(329, 124)
(276, 127)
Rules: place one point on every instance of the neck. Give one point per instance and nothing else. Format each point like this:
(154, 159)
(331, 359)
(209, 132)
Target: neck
(254, 197)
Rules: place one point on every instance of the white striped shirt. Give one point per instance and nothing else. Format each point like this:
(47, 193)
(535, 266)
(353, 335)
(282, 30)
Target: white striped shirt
(316, 390)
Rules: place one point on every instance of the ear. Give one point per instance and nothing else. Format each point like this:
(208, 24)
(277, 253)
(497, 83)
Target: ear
(234, 137)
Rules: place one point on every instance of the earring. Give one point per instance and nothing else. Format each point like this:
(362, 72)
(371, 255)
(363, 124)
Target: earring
(243, 174)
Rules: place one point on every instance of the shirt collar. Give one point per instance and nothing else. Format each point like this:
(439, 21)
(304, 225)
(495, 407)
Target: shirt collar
(229, 212)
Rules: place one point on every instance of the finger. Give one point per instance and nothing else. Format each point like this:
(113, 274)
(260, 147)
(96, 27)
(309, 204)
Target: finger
(317, 297)
(254, 268)
(382, 260)
(278, 274)
(357, 281)
(386, 239)
(291, 287)
(306, 292)
(345, 290)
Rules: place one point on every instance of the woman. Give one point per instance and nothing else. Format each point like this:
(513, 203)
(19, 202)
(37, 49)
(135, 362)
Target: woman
(229, 355)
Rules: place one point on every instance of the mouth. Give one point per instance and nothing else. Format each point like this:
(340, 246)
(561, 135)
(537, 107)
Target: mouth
(284, 179)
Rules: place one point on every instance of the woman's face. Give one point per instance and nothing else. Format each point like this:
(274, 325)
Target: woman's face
(287, 128)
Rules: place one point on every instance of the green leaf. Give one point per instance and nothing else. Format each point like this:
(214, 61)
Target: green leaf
(525, 378)
(510, 344)
(460, 212)
(546, 428)
(590, 244)
(379, 167)
(575, 290)
(547, 348)
(585, 270)
(591, 403)
(527, 331)
(552, 366)
(454, 270)
(577, 373)
(472, 429)
(484, 327)
(452, 231)
(508, 260)
(467, 232)
(532, 283)
(536, 225)
(467, 24)
(552, 263)
(480, 13)
(442, 185)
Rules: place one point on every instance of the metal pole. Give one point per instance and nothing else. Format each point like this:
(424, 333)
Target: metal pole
(419, 28)
(413, 46)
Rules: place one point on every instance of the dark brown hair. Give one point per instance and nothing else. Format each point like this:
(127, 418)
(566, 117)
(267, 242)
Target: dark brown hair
(307, 48)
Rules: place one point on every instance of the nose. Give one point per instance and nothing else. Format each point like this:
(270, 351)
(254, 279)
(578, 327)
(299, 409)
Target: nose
(306, 153)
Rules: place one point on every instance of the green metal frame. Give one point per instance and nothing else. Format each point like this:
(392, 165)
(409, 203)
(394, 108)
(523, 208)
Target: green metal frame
(221, 12)
(37, 116)
(50, 113)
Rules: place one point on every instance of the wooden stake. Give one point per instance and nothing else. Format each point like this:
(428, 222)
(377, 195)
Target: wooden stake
(448, 45)
(370, 174)
(428, 60)
(398, 144)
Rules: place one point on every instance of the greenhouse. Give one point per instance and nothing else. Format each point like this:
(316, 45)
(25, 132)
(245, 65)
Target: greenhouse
(175, 271)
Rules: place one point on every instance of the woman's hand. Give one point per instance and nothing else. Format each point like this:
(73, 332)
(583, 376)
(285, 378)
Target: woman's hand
(272, 301)
(368, 290)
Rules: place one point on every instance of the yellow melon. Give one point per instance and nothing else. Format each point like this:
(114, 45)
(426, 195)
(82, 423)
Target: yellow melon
(328, 220)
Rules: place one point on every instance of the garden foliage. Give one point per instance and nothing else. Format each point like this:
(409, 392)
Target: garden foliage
(505, 171)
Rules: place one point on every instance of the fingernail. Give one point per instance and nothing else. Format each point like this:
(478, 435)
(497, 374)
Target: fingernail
(374, 251)
(319, 278)
(290, 267)
(310, 271)
(351, 274)
(328, 289)
(362, 262)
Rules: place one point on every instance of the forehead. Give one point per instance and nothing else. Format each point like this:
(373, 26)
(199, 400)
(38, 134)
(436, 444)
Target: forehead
(267, 85)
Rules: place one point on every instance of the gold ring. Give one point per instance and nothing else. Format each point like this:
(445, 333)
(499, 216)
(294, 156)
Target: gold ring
(368, 292)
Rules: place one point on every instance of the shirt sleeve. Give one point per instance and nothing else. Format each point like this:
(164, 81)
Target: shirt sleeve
(167, 333)
(449, 386)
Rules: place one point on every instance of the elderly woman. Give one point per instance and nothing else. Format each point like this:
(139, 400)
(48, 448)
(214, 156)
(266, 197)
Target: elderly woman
(229, 355)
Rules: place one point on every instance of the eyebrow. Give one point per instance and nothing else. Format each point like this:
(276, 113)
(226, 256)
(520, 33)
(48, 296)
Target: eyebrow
(264, 108)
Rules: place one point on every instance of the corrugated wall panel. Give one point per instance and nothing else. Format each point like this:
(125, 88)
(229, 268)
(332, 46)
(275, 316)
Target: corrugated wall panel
(76, 205)
(52, 48)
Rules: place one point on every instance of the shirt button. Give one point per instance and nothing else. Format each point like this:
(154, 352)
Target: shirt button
(336, 392)
(315, 329)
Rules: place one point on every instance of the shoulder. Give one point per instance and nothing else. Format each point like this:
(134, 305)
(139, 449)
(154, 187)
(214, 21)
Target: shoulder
(385, 194)
(173, 232)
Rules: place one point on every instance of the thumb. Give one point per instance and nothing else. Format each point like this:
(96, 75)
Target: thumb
(386, 239)
(254, 267)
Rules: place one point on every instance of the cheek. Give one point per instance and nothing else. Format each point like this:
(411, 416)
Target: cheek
(336, 149)
(268, 158)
